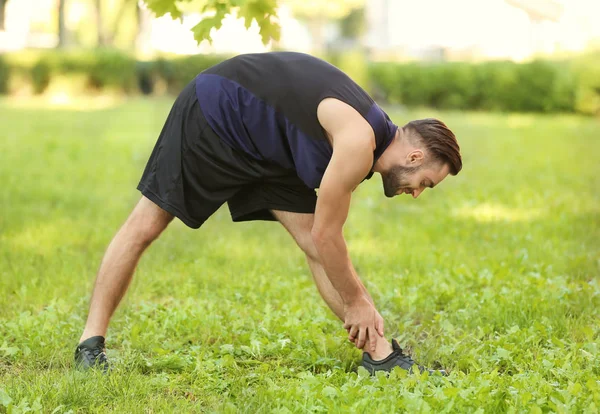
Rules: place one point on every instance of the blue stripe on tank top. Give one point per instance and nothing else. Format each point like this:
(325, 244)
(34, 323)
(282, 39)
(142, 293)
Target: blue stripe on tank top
(247, 123)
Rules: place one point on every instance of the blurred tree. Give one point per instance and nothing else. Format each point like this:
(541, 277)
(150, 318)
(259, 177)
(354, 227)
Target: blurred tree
(214, 11)
(316, 13)
(116, 23)
(331, 9)
(142, 29)
(2, 9)
(353, 26)
(127, 9)
(99, 25)
(62, 29)
(139, 24)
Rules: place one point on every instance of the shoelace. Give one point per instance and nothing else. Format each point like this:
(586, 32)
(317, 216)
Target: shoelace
(406, 359)
(96, 354)
(402, 355)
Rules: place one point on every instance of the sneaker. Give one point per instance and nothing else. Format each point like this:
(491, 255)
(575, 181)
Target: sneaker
(396, 359)
(91, 354)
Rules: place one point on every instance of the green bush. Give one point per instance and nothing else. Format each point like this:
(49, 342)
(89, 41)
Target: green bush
(538, 86)
(146, 76)
(40, 75)
(4, 75)
(534, 91)
(493, 83)
(586, 71)
(110, 69)
(383, 84)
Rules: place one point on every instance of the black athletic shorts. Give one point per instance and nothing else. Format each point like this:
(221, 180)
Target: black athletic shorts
(192, 172)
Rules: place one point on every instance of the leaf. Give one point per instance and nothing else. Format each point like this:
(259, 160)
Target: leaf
(5, 399)
(535, 410)
(269, 30)
(264, 12)
(330, 392)
(362, 373)
(451, 391)
(261, 11)
(574, 389)
(162, 7)
(37, 405)
(227, 349)
(8, 350)
(202, 30)
(502, 353)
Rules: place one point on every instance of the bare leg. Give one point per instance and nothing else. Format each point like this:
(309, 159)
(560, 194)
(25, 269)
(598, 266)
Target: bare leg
(299, 226)
(143, 226)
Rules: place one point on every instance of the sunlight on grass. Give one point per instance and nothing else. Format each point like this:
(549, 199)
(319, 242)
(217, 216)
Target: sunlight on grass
(45, 237)
(63, 101)
(520, 120)
(488, 212)
(364, 247)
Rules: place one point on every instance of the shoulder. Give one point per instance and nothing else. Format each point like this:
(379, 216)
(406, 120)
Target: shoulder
(340, 119)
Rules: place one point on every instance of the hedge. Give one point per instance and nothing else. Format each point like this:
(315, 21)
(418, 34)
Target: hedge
(4, 75)
(102, 69)
(539, 86)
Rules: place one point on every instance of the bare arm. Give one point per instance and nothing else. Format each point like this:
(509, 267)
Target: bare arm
(352, 160)
(331, 213)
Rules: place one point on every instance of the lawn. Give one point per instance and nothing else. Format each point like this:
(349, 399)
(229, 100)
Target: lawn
(494, 275)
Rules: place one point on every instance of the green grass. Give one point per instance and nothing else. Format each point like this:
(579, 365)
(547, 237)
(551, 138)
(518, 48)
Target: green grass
(493, 275)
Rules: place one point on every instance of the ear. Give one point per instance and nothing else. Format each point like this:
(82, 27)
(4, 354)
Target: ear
(415, 158)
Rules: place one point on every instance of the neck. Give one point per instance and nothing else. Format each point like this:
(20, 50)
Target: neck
(382, 163)
(379, 166)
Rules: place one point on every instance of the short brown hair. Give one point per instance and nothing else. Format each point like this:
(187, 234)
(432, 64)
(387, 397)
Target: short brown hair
(438, 140)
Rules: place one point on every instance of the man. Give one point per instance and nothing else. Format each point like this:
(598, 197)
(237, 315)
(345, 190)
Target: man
(262, 132)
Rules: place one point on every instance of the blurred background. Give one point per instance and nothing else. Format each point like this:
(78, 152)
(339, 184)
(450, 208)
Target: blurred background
(494, 275)
(508, 55)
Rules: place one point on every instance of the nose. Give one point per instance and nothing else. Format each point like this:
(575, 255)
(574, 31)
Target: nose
(417, 193)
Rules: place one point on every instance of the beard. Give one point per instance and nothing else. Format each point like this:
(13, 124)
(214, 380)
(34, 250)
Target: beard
(397, 178)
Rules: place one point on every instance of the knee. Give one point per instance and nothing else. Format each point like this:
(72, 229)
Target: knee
(144, 226)
(140, 232)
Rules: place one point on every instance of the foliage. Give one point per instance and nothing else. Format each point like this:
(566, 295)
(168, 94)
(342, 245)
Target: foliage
(538, 86)
(587, 70)
(40, 76)
(214, 11)
(4, 75)
(263, 12)
(317, 9)
(493, 275)
(108, 69)
(353, 26)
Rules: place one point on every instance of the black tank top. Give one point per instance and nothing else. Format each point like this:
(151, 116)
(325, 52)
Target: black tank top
(265, 105)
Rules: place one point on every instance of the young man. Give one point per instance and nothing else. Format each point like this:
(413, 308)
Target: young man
(262, 132)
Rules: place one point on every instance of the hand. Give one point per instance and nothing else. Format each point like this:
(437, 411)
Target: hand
(363, 322)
